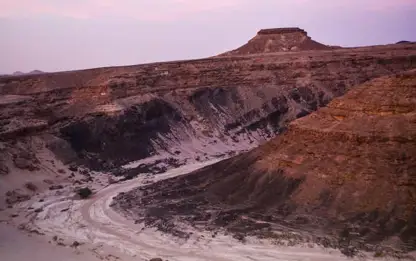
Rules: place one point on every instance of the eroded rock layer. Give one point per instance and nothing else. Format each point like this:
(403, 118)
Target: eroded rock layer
(175, 112)
(344, 176)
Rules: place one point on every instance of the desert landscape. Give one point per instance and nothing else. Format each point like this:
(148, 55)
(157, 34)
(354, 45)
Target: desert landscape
(282, 149)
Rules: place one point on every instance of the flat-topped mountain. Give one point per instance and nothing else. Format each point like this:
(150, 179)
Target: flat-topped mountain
(346, 173)
(279, 40)
(283, 30)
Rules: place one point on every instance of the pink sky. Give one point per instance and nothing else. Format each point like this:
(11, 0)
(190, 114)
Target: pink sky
(139, 9)
(55, 35)
(167, 9)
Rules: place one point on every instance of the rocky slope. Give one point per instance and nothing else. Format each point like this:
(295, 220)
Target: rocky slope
(279, 40)
(344, 176)
(148, 118)
(165, 114)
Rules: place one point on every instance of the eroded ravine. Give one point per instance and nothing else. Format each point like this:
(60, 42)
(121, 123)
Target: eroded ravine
(149, 118)
(94, 222)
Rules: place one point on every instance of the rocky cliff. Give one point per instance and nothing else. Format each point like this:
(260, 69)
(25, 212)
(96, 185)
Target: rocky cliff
(344, 176)
(171, 113)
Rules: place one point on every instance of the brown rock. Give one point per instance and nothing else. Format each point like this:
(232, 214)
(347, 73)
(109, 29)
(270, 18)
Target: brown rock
(48, 181)
(56, 187)
(26, 160)
(156, 259)
(16, 196)
(4, 170)
(30, 186)
(104, 118)
(111, 180)
(75, 244)
(73, 168)
(347, 170)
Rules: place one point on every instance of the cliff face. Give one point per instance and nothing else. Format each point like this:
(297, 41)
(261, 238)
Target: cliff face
(279, 40)
(344, 176)
(186, 110)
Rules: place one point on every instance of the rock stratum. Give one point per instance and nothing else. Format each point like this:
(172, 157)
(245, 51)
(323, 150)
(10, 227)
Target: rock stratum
(344, 176)
(167, 114)
(66, 130)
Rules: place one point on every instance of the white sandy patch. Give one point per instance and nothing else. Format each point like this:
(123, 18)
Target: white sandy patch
(17, 246)
(93, 222)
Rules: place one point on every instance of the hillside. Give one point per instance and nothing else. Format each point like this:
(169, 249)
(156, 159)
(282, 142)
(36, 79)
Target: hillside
(169, 114)
(344, 176)
(279, 40)
(149, 118)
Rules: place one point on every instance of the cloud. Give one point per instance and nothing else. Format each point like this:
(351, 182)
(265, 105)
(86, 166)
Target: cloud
(139, 9)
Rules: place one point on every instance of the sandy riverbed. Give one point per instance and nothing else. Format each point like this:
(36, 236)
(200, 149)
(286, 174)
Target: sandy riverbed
(105, 234)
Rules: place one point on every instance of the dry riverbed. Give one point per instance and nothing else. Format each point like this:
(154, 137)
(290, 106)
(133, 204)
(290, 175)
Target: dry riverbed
(90, 229)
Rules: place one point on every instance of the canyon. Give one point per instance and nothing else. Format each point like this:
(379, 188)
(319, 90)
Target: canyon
(342, 177)
(186, 110)
(62, 131)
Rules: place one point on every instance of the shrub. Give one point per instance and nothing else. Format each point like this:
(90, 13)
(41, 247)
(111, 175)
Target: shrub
(30, 186)
(84, 192)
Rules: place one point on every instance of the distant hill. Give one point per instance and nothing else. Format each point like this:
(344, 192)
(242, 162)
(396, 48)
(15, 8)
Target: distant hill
(279, 40)
(35, 72)
(405, 42)
(17, 73)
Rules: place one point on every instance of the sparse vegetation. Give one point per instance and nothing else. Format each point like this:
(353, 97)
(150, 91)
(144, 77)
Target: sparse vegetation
(84, 192)
(73, 168)
(30, 186)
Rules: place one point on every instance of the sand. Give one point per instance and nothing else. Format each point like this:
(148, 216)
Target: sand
(17, 246)
(110, 236)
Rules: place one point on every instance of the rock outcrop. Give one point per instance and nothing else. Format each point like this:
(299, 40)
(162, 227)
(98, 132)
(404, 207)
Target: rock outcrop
(279, 40)
(150, 117)
(4, 170)
(344, 177)
(166, 114)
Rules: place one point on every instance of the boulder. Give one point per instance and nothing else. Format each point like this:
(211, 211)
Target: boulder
(16, 196)
(30, 186)
(4, 170)
(26, 160)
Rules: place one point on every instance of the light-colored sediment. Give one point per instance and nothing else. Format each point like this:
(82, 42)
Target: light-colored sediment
(107, 234)
(16, 246)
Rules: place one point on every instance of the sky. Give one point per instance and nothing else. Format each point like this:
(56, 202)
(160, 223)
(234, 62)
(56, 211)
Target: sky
(57, 35)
